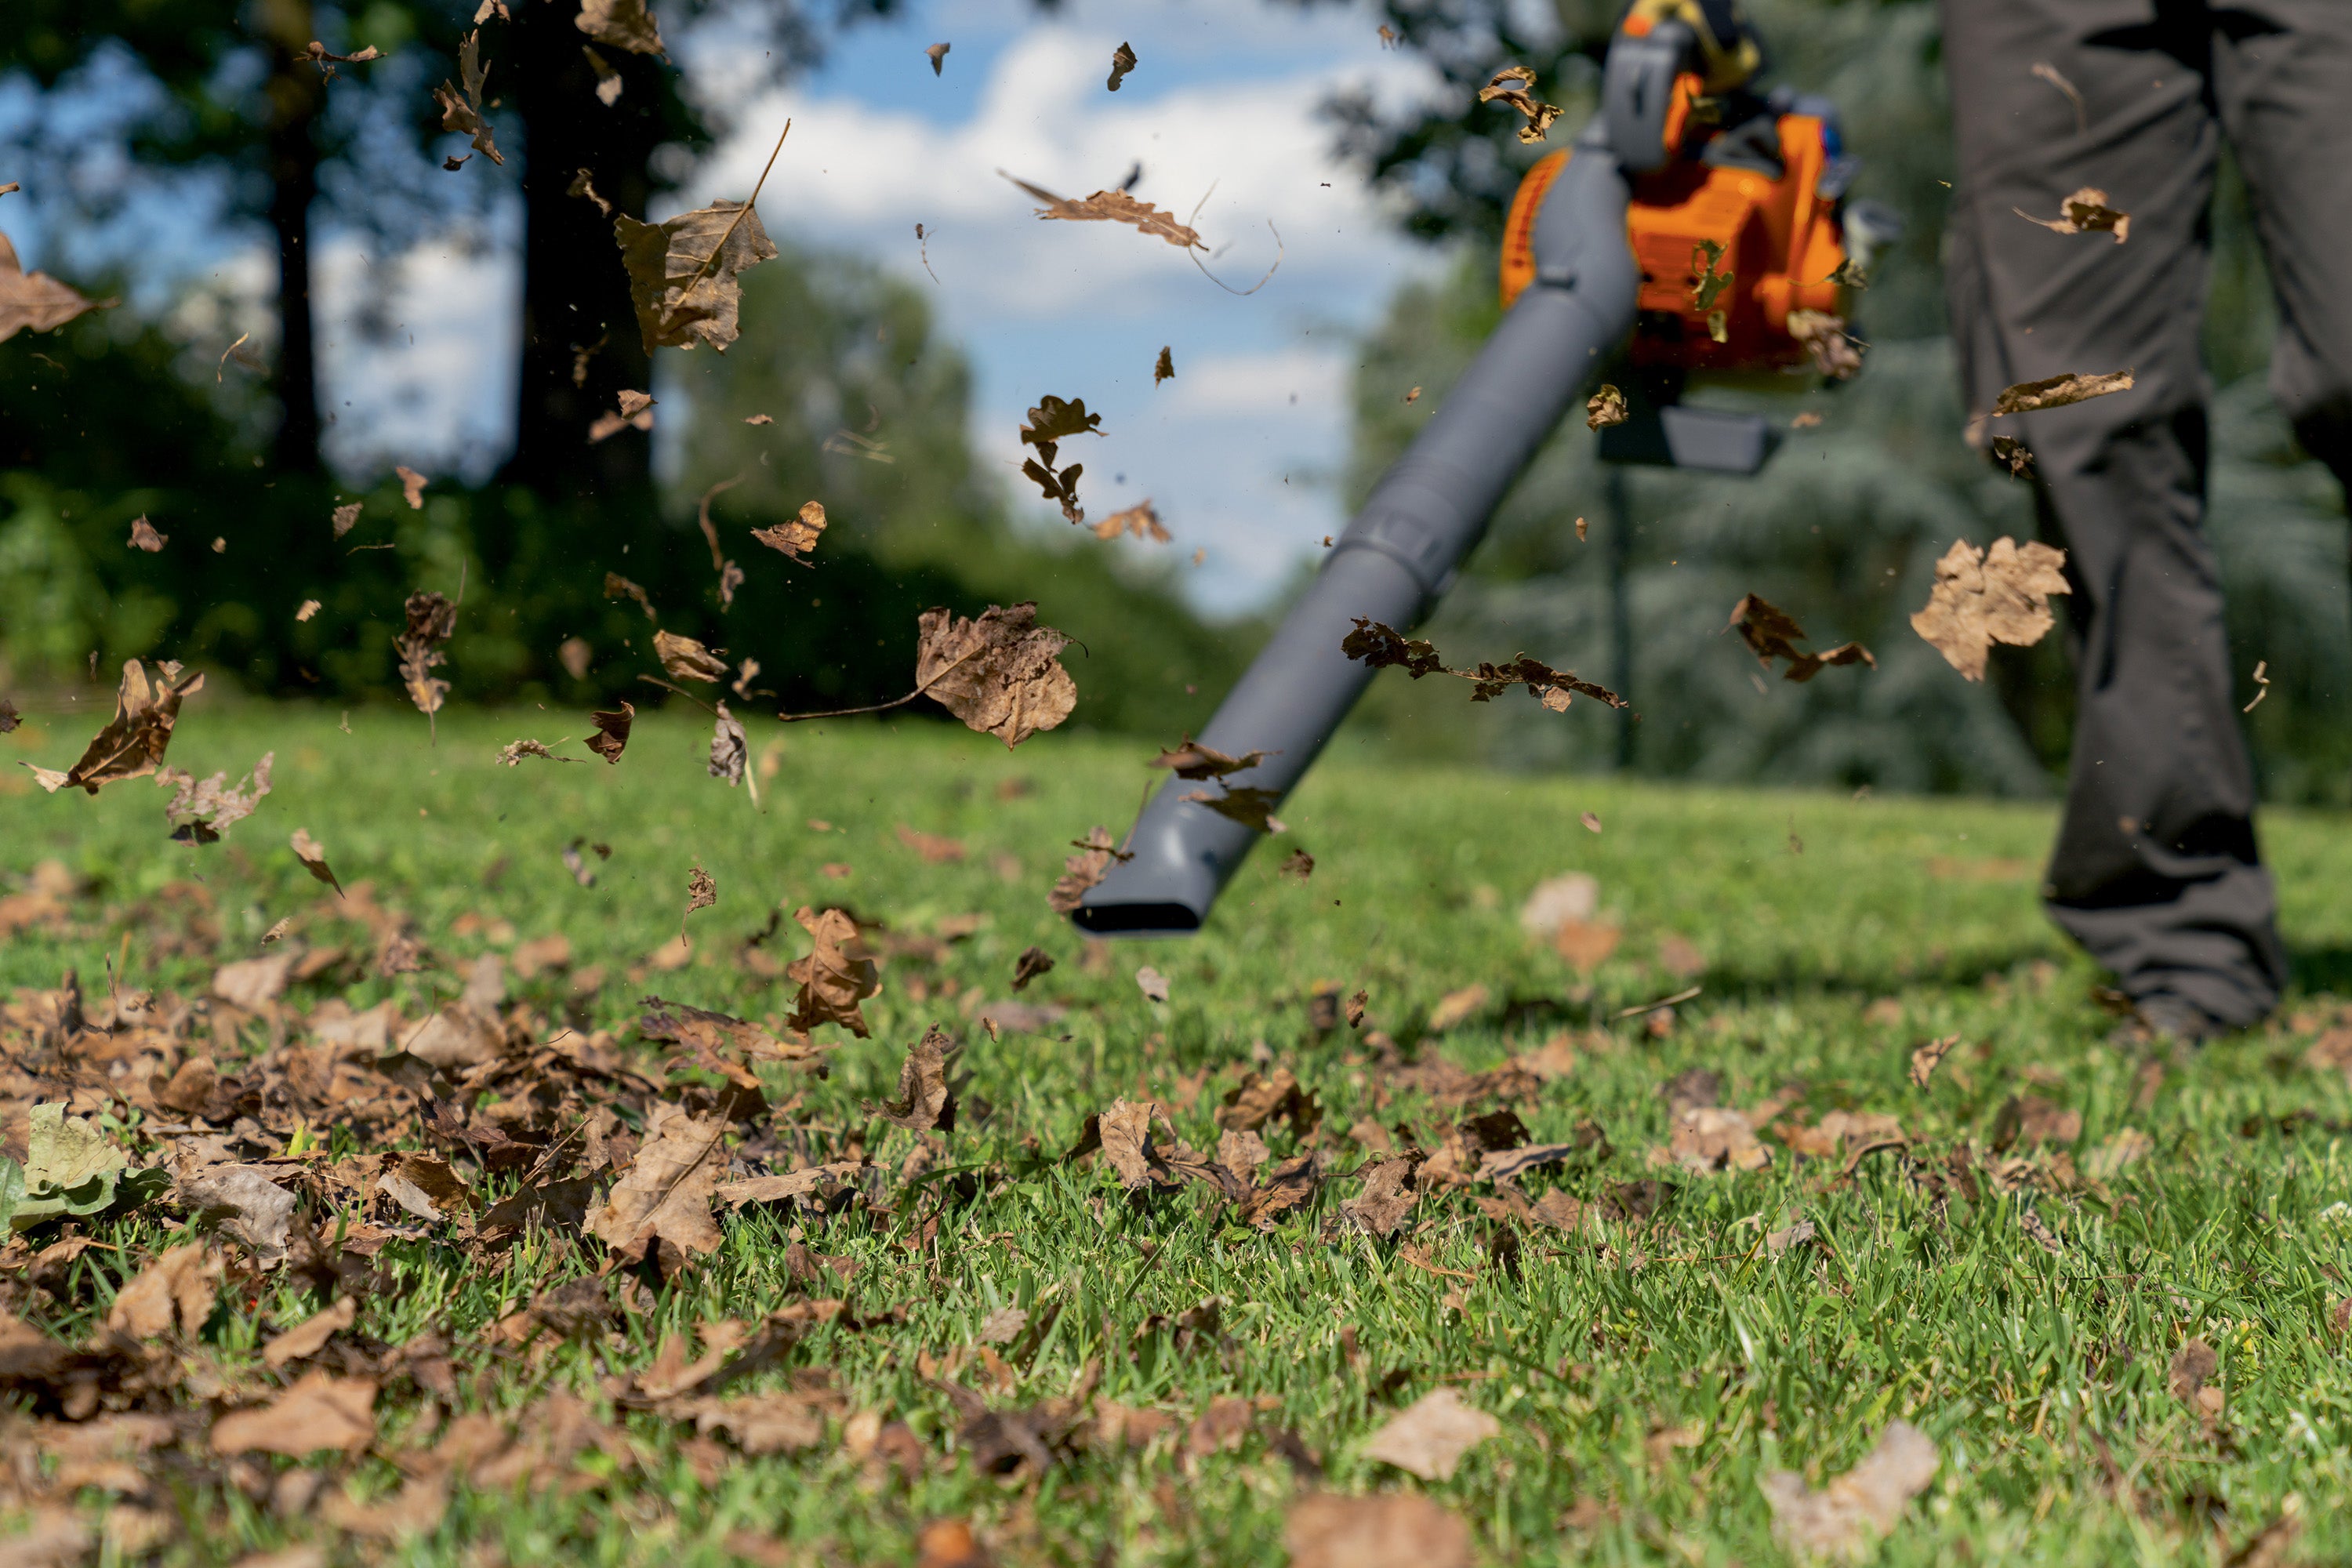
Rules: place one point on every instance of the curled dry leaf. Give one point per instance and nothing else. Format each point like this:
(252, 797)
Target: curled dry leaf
(609, 85)
(612, 736)
(687, 659)
(1001, 673)
(199, 810)
(1927, 1059)
(431, 619)
(2013, 453)
(1512, 85)
(926, 1098)
(1114, 206)
(624, 24)
(1602, 409)
(177, 1290)
(1429, 1437)
(308, 851)
(411, 487)
(682, 272)
(1299, 866)
(1191, 760)
(513, 753)
(1772, 633)
(617, 587)
(309, 1337)
(1096, 852)
(1846, 1517)
(701, 892)
(1982, 597)
(244, 1204)
(1382, 646)
(1250, 807)
(145, 537)
(1122, 60)
(1033, 962)
(1052, 422)
(796, 537)
(1141, 520)
(939, 57)
(729, 748)
(133, 743)
(461, 105)
(35, 301)
(836, 976)
(1388, 1530)
(2084, 211)
(1836, 353)
(1164, 369)
(308, 607)
(2057, 391)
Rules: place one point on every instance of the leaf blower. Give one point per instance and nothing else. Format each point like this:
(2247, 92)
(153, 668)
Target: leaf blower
(1694, 226)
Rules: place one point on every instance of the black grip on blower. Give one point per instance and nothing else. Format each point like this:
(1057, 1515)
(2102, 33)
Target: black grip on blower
(1399, 554)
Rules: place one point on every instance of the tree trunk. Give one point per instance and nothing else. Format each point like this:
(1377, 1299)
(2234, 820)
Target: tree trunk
(580, 344)
(295, 96)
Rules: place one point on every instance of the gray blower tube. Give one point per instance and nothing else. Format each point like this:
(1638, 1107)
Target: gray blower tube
(1399, 554)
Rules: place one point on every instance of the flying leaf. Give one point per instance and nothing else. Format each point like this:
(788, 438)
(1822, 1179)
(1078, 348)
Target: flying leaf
(2057, 391)
(199, 810)
(939, 55)
(836, 975)
(1772, 633)
(1250, 806)
(1707, 284)
(1114, 206)
(664, 1201)
(1033, 962)
(411, 487)
(1382, 646)
(1142, 520)
(2084, 211)
(1836, 353)
(1539, 115)
(133, 742)
(682, 272)
(796, 537)
(624, 24)
(35, 301)
(687, 659)
(1083, 870)
(1845, 1518)
(617, 587)
(701, 892)
(431, 620)
(2009, 450)
(1122, 60)
(326, 60)
(1603, 409)
(926, 1099)
(461, 106)
(307, 608)
(1001, 673)
(1430, 1436)
(513, 753)
(1926, 1058)
(1192, 760)
(1152, 983)
(729, 749)
(1988, 596)
(145, 537)
(609, 85)
(612, 736)
(313, 857)
(1165, 369)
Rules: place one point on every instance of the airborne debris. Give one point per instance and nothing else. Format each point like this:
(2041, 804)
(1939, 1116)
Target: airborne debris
(1164, 369)
(2057, 391)
(1096, 853)
(412, 488)
(796, 537)
(682, 271)
(2012, 452)
(1052, 422)
(1114, 206)
(687, 659)
(2261, 680)
(1602, 409)
(313, 857)
(624, 24)
(2084, 211)
(200, 810)
(1122, 60)
(1381, 646)
(461, 105)
(35, 301)
(939, 55)
(133, 742)
(432, 618)
(1141, 520)
(1982, 597)
(145, 537)
(1772, 633)
(1539, 116)
(612, 736)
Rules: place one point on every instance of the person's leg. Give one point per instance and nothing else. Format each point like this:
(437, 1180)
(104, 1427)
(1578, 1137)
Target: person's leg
(2156, 870)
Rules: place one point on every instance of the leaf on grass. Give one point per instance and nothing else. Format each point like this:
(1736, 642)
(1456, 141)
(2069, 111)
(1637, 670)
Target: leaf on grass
(1845, 1517)
(1096, 853)
(1122, 60)
(71, 1170)
(836, 976)
(682, 272)
(1383, 647)
(999, 673)
(1982, 597)
(1124, 1132)
(309, 1337)
(1519, 96)
(177, 1289)
(1602, 409)
(939, 57)
(1926, 1058)
(2084, 211)
(1152, 983)
(2057, 391)
(318, 1413)
(145, 537)
(244, 1204)
(1390, 1530)
(461, 105)
(612, 736)
(313, 857)
(796, 537)
(1386, 1200)
(730, 747)
(926, 1098)
(133, 742)
(35, 301)
(664, 1201)
(1142, 520)
(687, 659)
(1429, 1437)
(1772, 633)
(199, 810)
(1115, 207)
(432, 618)
(624, 24)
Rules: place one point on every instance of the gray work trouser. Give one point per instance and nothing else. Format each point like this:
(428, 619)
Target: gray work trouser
(2156, 870)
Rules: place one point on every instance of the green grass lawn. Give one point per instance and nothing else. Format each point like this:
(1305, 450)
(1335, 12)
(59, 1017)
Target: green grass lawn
(1643, 1374)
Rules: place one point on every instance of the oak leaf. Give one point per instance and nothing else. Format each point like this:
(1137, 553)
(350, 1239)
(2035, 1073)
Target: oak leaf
(199, 809)
(1001, 673)
(133, 742)
(1982, 597)
(461, 105)
(1539, 115)
(1096, 853)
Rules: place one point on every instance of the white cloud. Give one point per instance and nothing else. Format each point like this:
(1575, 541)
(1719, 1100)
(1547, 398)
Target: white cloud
(1266, 382)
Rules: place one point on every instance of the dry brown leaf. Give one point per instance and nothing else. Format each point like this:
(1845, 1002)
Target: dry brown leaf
(309, 1337)
(1602, 409)
(178, 1288)
(1539, 115)
(1252, 808)
(1846, 1517)
(1837, 353)
(1095, 854)
(431, 619)
(687, 659)
(200, 809)
(1429, 1437)
(1001, 673)
(1114, 206)
(1382, 646)
(612, 736)
(1033, 962)
(318, 1412)
(2084, 211)
(701, 892)
(926, 1098)
(682, 272)
(1152, 983)
(1386, 1200)
(1394, 1529)
(664, 1198)
(411, 487)
(617, 586)
(1122, 60)
(133, 742)
(308, 851)
(1164, 368)
(939, 57)
(1928, 1058)
(145, 537)
(796, 537)
(931, 846)
(2000, 594)
(1191, 760)
(2057, 391)
(1125, 1133)
(1141, 520)
(1772, 633)
(35, 301)
(729, 749)
(461, 105)
(835, 977)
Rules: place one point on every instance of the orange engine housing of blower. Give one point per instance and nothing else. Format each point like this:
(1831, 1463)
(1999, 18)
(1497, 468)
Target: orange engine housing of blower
(1781, 244)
